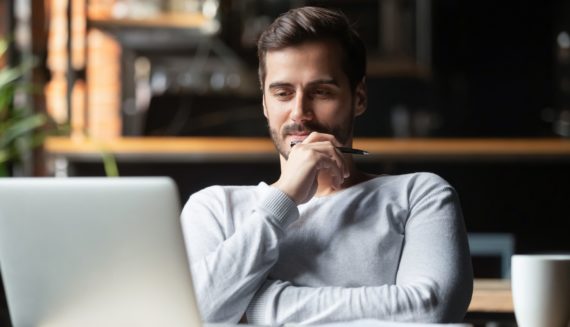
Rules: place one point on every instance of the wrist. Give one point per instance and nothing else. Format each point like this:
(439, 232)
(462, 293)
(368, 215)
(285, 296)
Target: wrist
(285, 190)
(278, 205)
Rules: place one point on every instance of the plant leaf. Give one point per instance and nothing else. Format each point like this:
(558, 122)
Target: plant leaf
(9, 75)
(6, 96)
(109, 164)
(20, 128)
(13, 152)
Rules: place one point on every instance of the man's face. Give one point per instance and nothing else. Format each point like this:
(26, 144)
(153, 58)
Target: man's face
(306, 90)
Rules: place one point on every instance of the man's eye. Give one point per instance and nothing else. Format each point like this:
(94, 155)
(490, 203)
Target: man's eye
(323, 93)
(282, 94)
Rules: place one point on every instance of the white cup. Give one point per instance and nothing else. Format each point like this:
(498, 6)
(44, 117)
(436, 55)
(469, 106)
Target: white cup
(541, 290)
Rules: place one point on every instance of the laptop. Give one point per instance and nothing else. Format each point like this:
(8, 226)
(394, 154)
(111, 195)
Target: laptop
(94, 252)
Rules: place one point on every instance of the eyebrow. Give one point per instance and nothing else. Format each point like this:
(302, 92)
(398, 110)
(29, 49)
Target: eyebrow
(330, 81)
(278, 84)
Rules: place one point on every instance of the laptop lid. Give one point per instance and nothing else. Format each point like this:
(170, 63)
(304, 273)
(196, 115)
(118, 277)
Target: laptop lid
(94, 252)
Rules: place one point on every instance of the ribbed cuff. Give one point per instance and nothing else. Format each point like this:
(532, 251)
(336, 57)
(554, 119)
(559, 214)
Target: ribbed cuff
(256, 311)
(279, 205)
(264, 300)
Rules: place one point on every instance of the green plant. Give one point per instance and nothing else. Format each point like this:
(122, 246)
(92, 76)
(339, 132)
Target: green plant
(18, 127)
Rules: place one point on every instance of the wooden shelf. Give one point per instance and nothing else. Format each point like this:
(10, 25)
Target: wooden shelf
(254, 149)
(467, 148)
(161, 145)
(164, 20)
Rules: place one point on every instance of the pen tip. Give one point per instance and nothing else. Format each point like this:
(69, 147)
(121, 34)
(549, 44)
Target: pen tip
(294, 142)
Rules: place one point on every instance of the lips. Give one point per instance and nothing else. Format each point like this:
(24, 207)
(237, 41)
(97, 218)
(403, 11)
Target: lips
(298, 137)
(296, 132)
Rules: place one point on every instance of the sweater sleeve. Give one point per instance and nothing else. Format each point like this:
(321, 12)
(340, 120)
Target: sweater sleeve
(228, 266)
(433, 283)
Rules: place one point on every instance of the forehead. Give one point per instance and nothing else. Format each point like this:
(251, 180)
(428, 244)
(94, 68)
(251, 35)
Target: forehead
(305, 62)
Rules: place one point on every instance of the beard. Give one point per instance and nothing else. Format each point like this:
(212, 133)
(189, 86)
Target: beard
(341, 132)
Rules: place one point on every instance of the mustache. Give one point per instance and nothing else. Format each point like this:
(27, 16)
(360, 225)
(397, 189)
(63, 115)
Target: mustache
(304, 128)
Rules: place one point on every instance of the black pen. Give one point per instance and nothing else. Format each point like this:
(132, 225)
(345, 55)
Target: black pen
(342, 149)
(351, 150)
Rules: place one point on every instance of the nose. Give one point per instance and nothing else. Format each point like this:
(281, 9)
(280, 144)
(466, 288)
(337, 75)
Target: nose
(301, 108)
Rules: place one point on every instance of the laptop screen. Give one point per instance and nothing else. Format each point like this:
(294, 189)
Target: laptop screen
(94, 252)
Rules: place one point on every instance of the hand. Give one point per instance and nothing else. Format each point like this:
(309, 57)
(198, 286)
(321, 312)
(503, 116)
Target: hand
(315, 155)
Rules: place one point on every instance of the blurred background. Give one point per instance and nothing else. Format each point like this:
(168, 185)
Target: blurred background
(108, 70)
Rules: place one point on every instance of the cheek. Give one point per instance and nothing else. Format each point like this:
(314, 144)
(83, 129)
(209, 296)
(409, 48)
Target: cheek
(276, 111)
(333, 111)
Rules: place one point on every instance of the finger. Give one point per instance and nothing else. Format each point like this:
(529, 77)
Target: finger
(317, 152)
(316, 137)
(320, 137)
(325, 148)
(334, 153)
(333, 166)
(336, 180)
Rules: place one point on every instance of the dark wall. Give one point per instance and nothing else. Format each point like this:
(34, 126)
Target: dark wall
(494, 66)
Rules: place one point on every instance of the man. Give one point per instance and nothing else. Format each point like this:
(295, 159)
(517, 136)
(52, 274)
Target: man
(325, 242)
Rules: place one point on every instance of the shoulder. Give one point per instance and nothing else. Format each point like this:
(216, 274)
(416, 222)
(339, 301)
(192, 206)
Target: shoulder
(424, 184)
(431, 198)
(410, 184)
(412, 179)
(415, 188)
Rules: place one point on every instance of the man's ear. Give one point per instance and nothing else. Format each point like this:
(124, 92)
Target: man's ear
(361, 98)
(264, 106)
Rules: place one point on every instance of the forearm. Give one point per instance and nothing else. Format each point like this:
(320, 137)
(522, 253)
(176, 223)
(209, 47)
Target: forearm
(227, 272)
(280, 302)
(226, 279)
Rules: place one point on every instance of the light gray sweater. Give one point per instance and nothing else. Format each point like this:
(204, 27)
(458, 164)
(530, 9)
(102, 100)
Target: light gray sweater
(391, 248)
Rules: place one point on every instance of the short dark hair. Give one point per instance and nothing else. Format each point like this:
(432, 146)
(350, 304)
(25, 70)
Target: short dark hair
(311, 24)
